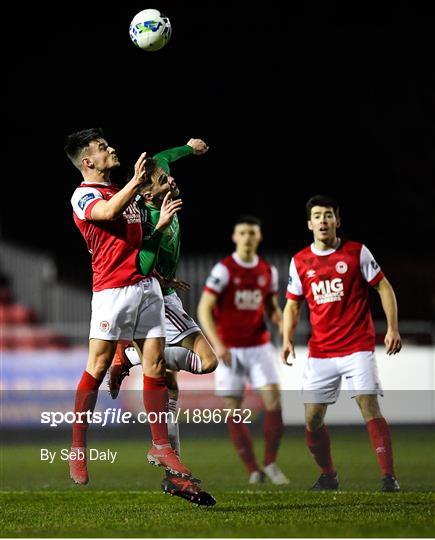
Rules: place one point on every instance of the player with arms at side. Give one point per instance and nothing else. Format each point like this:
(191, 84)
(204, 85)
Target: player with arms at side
(186, 347)
(126, 304)
(334, 277)
(240, 290)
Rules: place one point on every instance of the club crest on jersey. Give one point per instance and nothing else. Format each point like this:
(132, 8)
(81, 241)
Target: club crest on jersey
(104, 326)
(327, 291)
(262, 280)
(341, 267)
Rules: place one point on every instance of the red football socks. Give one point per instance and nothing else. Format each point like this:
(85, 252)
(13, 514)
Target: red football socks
(86, 398)
(155, 400)
(319, 443)
(380, 438)
(273, 429)
(242, 440)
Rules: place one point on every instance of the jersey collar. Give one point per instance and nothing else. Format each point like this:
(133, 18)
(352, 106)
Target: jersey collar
(104, 184)
(328, 251)
(240, 262)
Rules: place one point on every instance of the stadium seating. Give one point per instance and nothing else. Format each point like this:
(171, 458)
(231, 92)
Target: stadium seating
(20, 327)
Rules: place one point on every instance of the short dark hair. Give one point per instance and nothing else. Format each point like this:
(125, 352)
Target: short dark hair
(322, 200)
(249, 220)
(76, 142)
(151, 166)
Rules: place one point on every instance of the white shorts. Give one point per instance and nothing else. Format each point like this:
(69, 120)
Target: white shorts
(322, 377)
(131, 312)
(178, 323)
(257, 364)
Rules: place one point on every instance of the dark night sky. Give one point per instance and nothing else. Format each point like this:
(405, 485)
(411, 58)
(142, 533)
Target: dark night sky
(316, 99)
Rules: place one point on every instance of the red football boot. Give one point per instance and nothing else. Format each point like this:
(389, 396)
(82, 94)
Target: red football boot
(119, 369)
(167, 458)
(78, 469)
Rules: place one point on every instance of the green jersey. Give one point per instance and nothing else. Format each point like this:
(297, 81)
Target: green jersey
(161, 250)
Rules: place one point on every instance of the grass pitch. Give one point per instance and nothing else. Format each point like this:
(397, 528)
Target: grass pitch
(123, 499)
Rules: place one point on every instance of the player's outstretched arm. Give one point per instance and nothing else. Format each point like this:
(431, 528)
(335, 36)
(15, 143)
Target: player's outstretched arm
(291, 317)
(112, 209)
(198, 145)
(166, 157)
(393, 341)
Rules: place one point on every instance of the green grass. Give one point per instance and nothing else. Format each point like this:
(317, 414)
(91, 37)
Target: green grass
(124, 500)
(238, 514)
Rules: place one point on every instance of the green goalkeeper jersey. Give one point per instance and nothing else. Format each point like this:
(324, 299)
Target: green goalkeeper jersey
(161, 250)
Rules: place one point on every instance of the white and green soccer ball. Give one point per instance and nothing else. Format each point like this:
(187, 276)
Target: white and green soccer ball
(150, 30)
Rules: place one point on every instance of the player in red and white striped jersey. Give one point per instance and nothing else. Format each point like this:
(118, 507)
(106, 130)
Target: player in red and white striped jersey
(126, 305)
(240, 291)
(334, 277)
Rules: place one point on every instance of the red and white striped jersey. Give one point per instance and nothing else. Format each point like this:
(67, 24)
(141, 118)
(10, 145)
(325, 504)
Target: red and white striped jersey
(113, 245)
(242, 289)
(335, 284)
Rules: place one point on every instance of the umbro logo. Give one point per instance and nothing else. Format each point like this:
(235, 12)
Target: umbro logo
(311, 273)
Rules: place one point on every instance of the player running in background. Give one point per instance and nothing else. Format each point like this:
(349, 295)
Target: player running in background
(240, 291)
(186, 347)
(334, 276)
(126, 304)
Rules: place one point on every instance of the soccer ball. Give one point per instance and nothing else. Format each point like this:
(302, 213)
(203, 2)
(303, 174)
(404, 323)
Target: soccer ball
(150, 30)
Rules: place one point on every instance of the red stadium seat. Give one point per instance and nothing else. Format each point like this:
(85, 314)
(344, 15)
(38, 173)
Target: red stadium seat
(16, 314)
(20, 328)
(29, 336)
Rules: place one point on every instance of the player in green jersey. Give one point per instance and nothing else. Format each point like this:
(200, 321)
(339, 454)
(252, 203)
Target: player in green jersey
(186, 346)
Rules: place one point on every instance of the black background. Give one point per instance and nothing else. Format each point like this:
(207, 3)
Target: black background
(328, 98)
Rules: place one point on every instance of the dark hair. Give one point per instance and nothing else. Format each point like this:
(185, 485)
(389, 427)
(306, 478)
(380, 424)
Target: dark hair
(322, 200)
(151, 166)
(76, 142)
(250, 220)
